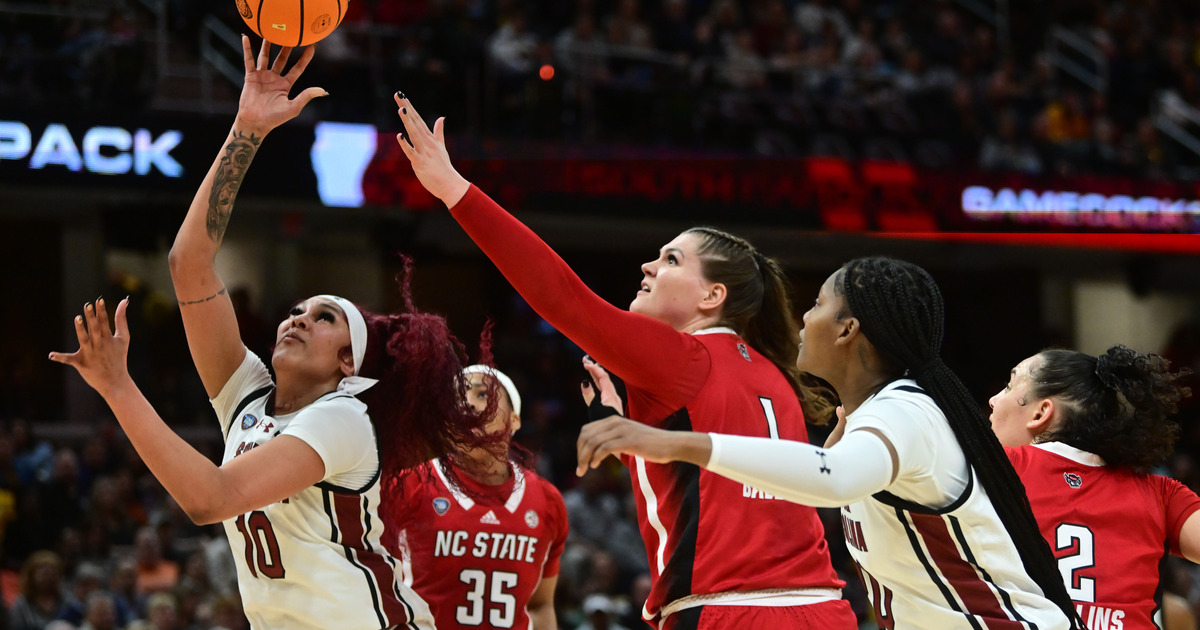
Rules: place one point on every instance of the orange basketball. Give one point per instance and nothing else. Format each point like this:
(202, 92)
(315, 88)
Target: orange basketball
(292, 22)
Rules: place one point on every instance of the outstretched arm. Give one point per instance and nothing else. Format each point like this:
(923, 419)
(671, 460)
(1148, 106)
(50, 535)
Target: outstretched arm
(208, 317)
(646, 353)
(278, 469)
(858, 466)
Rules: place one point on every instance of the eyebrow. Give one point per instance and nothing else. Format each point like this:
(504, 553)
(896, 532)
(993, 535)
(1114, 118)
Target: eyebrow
(325, 306)
(673, 249)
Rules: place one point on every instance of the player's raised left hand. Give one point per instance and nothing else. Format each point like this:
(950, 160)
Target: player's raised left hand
(101, 358)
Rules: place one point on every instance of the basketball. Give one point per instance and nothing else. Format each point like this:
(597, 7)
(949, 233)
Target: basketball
(292, 22)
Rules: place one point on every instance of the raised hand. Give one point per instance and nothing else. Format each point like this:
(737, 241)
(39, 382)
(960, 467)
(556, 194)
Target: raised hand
(599, 382)
(426, 150)
(265, 103)
(100, 359)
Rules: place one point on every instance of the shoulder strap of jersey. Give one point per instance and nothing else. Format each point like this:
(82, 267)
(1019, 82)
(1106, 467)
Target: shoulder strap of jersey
(251, 397)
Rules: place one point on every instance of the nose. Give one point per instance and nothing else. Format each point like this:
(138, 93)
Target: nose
(992, 401)
(648, 268)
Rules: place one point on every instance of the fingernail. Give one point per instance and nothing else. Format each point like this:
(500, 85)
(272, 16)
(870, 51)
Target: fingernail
(403, 110)
(100, 302)
(87, 306)
(400, 94)
(78, 318)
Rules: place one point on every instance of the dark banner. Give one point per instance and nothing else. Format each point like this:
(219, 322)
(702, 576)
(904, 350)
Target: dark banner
(349, 165)
(161, 154)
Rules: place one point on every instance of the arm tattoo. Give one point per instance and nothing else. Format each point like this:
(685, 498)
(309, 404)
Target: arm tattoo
(202, 300)
(230, 172)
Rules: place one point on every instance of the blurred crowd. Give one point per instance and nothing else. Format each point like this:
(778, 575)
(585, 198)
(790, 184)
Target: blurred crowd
(90, 539)
(930, 82)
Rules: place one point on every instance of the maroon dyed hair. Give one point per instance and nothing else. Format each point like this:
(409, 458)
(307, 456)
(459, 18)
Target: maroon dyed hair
(501, 446)
(419, 406)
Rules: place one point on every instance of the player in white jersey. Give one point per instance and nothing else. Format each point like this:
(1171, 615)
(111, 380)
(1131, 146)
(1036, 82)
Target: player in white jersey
(299, 486)
(933, 513)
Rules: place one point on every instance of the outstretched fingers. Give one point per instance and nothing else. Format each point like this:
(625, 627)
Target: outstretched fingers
(414, 126)
(122, 323)
(264, 55)
(300, 65)
(281, 59)
(247, 54)
(597, 440)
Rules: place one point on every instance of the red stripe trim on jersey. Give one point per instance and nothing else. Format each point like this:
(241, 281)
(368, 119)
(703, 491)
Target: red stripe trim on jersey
(978, 597)
(349, 512)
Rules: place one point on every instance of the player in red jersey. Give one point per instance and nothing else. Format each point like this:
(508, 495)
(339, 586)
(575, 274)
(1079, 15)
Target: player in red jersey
(708, 344)
(488, 557)
(1083, 430)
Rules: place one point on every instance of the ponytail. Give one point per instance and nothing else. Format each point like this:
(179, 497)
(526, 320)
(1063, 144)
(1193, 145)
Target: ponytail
(758, 306)
(1118, 405)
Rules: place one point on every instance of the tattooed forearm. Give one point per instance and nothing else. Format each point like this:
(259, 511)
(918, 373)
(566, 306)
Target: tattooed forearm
(230, 172)
(202, 300)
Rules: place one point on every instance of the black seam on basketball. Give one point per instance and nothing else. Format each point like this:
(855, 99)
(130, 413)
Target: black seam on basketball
(303, 26)
(258, 18)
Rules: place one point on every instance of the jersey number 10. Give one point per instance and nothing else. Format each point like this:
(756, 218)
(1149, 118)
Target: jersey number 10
(262, 548)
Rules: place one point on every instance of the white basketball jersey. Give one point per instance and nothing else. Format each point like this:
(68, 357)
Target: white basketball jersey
(314, 560)
(940, 569)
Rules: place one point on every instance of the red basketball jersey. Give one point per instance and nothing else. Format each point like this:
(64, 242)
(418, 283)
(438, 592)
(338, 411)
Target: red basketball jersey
(1110, 529)
(477, 561)
(706, 533)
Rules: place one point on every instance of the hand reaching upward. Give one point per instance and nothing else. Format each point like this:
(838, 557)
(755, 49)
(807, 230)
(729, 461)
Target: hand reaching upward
(265, 103)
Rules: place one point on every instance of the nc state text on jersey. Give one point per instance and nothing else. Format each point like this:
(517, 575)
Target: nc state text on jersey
(502, 547)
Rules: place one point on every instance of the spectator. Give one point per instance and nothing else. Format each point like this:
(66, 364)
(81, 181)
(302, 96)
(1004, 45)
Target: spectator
(155, 573)
(42, 594)
(600, 611)
(162, 612)
(1008, 151)
(101, 612)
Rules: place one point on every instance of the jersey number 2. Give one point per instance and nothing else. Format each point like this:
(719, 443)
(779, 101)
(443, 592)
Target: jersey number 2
(1083, 541)
(502, 617)
(262, 548)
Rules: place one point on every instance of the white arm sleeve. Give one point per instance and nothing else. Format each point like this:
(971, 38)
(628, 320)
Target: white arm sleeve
(855, 468)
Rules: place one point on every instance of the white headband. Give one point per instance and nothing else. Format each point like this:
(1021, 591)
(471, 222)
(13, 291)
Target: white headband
(509, 387)
(355, 384)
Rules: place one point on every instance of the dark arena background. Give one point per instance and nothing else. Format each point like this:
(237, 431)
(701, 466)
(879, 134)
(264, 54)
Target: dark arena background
(1040, 159)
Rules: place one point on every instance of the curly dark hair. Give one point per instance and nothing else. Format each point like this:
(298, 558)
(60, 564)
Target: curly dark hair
(1118, 405)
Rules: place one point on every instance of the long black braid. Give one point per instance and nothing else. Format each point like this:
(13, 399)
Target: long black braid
(900, 309)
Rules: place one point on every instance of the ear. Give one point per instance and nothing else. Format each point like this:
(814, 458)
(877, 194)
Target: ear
(1043, 417)
(714, 299)
(346, 359)
(849, 331)
(514, 422)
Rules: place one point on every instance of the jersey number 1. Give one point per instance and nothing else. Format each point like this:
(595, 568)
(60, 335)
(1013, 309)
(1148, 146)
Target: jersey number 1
(262, 548)
(502, 617)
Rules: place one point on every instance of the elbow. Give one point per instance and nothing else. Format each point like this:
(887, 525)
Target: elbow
(176, 262)
(203, 512)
